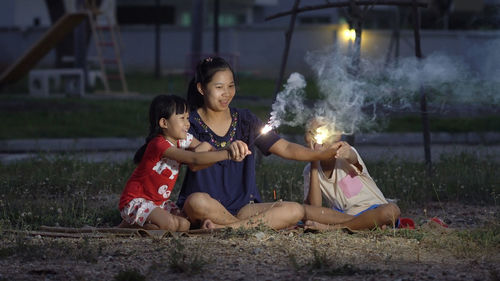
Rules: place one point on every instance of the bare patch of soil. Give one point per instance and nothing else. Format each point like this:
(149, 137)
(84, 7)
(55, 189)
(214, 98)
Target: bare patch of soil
(469, 251)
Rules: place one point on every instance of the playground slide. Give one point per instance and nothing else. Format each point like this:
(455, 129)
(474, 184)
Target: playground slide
(48, 41)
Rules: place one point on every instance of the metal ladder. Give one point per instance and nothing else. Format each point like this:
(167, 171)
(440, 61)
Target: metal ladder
(108, 46)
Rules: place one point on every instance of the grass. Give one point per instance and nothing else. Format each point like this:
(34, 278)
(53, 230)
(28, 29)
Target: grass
(63, 192)
(28, 249)
(181, 260)
(70, 117)
(75, 193)
(460, 177)
(129, 275)
(322, 263)
(449, 124)
(26, 117)
(147, 84)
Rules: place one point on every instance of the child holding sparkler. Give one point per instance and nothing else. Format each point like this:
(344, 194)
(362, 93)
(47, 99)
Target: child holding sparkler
(144, 201)
(356, 201)
(225, 194)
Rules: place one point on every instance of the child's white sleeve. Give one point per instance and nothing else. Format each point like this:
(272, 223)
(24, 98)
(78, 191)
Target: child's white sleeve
(185, 143)
(306, 175)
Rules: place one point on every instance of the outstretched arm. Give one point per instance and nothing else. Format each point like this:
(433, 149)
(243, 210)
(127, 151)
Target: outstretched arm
(293, 151)
(201, 147)
(196, 158)
(237, 150)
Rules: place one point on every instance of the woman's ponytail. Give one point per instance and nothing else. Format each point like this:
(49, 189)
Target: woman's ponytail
(194, 98)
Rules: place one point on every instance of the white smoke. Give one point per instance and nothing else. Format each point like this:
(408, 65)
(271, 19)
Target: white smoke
(289, 108)
(357, 101)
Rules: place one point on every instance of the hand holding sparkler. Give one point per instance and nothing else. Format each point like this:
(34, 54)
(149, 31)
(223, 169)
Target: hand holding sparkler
(238, 150)
(329, 151)
(322, 136)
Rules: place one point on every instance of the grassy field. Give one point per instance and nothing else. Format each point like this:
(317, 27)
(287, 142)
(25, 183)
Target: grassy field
(74, 193)
(70, 193)
(100, 116)
(26, 117)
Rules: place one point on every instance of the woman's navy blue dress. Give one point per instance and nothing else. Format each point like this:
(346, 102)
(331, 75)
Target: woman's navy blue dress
(231, 183)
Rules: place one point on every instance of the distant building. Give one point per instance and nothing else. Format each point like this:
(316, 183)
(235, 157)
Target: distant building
(450, 26)
(444, 14)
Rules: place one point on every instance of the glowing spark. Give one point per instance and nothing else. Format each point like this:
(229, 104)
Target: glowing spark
(266, 129)
(321, 134)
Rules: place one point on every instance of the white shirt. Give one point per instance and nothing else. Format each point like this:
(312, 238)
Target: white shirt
(348, 189)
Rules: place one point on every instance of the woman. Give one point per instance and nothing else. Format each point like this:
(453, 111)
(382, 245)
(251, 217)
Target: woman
(225, 194)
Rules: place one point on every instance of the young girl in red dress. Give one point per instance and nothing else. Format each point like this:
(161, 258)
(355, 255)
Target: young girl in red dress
(144, 201)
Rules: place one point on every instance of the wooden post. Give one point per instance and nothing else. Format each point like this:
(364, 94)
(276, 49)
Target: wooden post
(357, 22)
(423, 97)
(394, 43)
(196, 33)
(80, 45)
(288, 39)
(216, 27)
(157, 41)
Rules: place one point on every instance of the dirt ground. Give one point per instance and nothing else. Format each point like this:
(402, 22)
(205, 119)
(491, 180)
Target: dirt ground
(428, 253)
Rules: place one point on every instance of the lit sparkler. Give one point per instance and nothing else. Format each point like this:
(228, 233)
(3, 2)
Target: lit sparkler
(263, 131)
(321, 134)
(324, 132)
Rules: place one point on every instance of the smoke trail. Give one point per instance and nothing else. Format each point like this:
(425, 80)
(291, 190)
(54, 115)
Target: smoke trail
(289, 108)
(343, 95)
(358, 101)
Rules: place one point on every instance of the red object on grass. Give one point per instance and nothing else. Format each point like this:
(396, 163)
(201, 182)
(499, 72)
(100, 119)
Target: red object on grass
(438, 221)
(406, 223)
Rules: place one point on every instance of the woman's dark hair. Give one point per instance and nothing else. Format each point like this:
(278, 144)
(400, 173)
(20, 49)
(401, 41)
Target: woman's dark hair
(162, 106)
(205, 71)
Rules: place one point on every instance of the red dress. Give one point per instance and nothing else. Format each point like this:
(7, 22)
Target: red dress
(155, 176)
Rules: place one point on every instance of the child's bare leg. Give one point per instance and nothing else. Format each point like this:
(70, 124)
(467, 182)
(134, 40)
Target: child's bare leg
(161, 219)
(324, 215)
(125, 224)
(277, 215)
(201, 206)
(385, 214)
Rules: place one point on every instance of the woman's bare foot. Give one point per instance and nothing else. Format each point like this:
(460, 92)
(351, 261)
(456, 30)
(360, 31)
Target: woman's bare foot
(309, 224)
(208, 224)
(150, 226)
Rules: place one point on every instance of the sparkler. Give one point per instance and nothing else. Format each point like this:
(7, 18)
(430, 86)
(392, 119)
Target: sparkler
(324, 132)
(264, 131)
(321, 134)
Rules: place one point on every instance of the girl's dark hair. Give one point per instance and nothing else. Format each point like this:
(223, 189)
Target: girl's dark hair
(162, 106)
(205, 71)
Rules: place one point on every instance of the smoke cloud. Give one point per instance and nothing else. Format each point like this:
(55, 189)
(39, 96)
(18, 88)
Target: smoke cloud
(289, 108)
(357, 100)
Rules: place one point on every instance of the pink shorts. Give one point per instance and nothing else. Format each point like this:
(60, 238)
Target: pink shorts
(138, 210)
